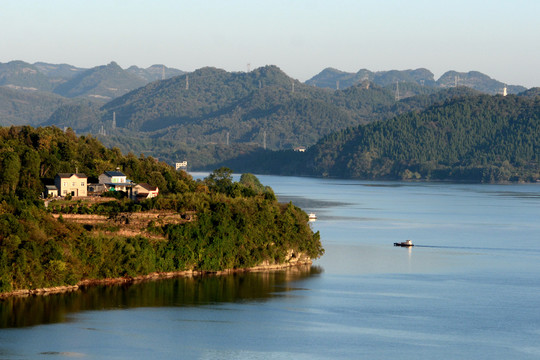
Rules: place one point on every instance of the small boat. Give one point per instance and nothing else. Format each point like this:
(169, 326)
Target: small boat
(312, 217)
(407, 243)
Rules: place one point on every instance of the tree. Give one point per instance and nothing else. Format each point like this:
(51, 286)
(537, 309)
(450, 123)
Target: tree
(252, 182)
(220, 180)
(10, 168)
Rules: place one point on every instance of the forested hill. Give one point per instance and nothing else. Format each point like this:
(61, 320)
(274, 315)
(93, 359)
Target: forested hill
(215, 224)
(213, 106)
(480, 139)
(264, 106)
(483, 138)
(204, 106)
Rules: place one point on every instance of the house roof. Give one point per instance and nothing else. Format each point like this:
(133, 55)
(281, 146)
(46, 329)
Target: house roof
(51, 187)
(114, 173)
(147, 187)
(68, 175)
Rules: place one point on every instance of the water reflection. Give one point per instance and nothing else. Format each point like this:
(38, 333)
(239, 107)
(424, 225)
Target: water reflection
(185, 291)
(304, 202)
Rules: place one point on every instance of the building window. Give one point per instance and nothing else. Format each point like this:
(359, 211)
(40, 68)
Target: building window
(82, 183)
(73, 184)
(65, 183)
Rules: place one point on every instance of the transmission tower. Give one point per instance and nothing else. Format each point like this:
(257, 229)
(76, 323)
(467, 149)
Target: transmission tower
(113, 120)
(397, 90)
(187, 81)
(264, 140)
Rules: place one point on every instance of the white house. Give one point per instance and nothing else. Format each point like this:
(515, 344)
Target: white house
(70, 184)
(115, 180)
(145, 191)
(181, 165)
(51, 191)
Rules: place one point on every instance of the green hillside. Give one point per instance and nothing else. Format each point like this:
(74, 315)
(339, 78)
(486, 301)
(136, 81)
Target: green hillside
(218, 224)
(27, 107)
(474, 138)
(265, 106)
(482, 138)
(84, 116)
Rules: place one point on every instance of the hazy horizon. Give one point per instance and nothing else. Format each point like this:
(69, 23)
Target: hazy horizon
(497, 38)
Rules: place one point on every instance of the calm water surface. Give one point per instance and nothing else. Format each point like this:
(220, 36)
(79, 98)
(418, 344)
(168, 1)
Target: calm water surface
(469, 289)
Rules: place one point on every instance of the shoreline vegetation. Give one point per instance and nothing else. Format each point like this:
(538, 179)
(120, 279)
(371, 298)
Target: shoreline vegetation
(208, 226)
(298, 262)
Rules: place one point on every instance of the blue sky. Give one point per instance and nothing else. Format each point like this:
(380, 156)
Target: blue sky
(498, 38)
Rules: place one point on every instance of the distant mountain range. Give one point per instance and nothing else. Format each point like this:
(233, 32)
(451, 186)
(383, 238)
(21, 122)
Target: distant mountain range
(264, 107)
(106, 82)
(100, 83)
(212, 117)
(334, 79)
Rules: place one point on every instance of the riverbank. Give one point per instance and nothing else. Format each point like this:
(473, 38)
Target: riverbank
(293, 260)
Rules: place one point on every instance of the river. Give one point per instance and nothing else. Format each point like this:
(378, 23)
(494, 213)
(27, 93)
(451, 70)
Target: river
(468, 289)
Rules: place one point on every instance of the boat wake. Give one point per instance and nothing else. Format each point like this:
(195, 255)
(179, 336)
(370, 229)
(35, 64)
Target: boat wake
(475, 248)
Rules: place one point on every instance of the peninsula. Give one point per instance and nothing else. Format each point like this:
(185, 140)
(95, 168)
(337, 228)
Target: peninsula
(63, 224)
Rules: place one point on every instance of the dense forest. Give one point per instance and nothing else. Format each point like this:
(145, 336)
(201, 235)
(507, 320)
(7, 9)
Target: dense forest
(474, 138)
(228, 225)
(237, 113)
(210, 115)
